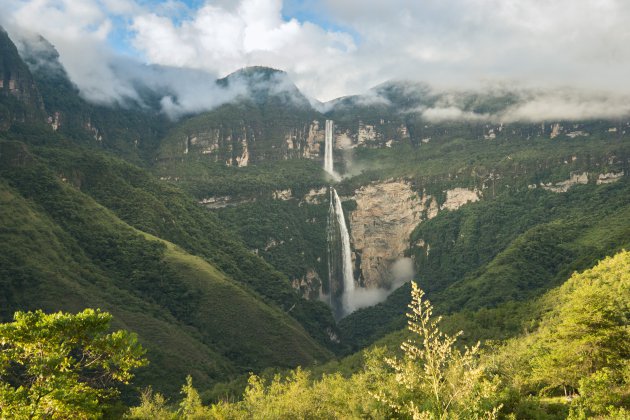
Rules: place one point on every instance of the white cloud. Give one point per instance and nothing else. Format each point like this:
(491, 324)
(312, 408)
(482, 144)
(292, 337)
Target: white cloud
(578, 43)
(79, 31)
(452, 113)
(253, 33)
(568, 105)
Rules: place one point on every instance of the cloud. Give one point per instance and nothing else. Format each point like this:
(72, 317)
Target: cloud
(79, 31)
(401, 272)
(452, 113)
(183, 91)
(568, 105)
(502, 103)
(527, 105)
(464, 42)
(351, 46)
(252, 33)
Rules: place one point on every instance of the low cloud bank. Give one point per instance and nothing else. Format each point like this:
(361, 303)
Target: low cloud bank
(568, 106)
(106, 78)
(523, 105)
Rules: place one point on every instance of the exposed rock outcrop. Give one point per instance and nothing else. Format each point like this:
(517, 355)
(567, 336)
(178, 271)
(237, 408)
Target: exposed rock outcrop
(366, 133)
(314, 139)
(385, 216)
(564, 186)
(220, 202)
(316, 196)
(457, 197)
(283, 195)
(309, 285)
(609, 177)
(17, 85)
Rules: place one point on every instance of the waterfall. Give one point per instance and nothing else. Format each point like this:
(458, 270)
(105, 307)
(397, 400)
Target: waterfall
(328, 149)
(339, 258)
(348, 277)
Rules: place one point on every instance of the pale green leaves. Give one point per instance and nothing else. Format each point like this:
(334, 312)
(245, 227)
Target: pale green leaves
(62, 365)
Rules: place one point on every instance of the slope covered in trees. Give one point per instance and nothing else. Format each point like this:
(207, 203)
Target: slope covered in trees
(510, 248)
(62, 250)
(579, 348)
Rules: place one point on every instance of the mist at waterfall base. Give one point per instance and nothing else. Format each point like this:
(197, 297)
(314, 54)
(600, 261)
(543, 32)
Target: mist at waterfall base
(344, 297)
(401, 272)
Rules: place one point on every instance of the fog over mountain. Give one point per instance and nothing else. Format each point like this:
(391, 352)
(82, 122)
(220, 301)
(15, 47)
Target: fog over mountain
(568, 59)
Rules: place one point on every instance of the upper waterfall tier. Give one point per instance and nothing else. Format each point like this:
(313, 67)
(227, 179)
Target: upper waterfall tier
(328, 148)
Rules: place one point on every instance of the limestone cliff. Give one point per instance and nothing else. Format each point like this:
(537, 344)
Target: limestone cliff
(457, 197)
(385, 215)
(609, 178)
(245, 140)
(564, 186)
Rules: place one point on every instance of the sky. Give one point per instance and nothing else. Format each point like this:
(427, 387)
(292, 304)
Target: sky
(332, 48)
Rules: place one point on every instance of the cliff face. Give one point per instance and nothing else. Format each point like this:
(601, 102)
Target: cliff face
(386, 214)
(20, 101)
(248, 142)
(457, 197)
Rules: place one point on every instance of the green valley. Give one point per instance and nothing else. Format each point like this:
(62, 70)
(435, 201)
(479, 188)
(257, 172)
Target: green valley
(261, 250)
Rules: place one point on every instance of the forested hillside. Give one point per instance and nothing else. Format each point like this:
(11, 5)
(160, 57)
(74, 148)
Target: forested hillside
(572, 361)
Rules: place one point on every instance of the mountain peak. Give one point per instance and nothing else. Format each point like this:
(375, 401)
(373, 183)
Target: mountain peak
(257, 72)
(263, 84)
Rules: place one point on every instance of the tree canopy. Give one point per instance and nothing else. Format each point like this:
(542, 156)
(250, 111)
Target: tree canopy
(62, 365)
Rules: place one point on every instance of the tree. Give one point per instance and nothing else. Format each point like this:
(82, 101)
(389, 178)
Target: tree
(435, 379)
(63, 365)
(153, 406)
(191, 408)
(588, 329)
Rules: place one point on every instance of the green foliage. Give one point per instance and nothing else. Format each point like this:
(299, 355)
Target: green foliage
(61, 365)
(165, 211)
(190, 407)
(295, 395)
(152, 406)
(582, 345)
(497, 252)
(60, 250)
(437, 381)
(290, 235)
(130, 129)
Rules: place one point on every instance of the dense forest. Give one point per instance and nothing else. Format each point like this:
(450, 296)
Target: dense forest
(573, 362)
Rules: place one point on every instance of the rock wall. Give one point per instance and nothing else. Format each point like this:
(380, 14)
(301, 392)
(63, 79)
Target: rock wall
(609, 178)
(457, 197)
(386, 214)
(246, 143)
(564, 186)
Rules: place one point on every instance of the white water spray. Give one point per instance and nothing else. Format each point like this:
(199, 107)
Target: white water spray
(346, 252)
(328, 149)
